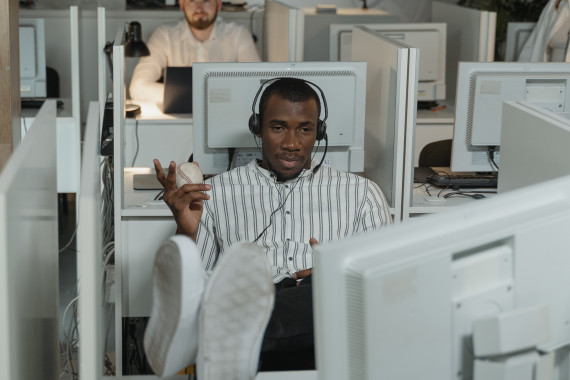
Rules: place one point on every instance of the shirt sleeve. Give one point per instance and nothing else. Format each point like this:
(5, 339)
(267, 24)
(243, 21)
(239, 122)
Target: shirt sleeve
(206, 241)
(376, 212)
(247, 52)
(149, 69)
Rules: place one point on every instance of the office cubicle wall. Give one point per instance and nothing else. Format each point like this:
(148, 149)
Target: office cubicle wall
(90, 258)
(283, 27)
(391, 98)
(470, 37)
(29, 259)
(534, 146)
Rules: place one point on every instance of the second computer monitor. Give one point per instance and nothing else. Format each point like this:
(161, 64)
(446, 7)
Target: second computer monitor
(401, 303)
(32, 58)
(482, 87)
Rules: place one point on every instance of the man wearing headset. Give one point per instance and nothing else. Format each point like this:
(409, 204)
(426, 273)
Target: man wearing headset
(280, 206)
(201, 36)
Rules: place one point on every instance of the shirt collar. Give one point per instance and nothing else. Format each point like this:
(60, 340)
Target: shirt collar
(254, 164)
(186, 33)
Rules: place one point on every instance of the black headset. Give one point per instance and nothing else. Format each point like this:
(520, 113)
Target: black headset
(255, 119)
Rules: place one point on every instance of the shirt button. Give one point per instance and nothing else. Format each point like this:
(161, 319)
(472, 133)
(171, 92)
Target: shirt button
(288, 212)
(290, 259)
(286, 186)
(288, 239)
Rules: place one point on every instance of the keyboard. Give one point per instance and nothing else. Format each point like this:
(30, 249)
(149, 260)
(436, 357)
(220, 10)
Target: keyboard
(36, 102)
(456, 181)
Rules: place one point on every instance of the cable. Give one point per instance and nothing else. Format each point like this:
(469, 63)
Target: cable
(491, 155)
(24, 120)
(137, 141)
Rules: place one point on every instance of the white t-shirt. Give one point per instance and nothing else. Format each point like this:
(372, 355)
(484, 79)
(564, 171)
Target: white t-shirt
(174, 45)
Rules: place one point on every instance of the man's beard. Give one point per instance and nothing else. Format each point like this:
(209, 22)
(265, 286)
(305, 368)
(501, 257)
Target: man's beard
(202, 23)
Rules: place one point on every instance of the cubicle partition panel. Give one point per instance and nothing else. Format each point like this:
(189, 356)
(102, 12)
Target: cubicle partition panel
(90, 259)
(29, 300)
(118, 143)
(62, 44)
(470, 37)
(391, 97)
(283, 30)
(534, 146)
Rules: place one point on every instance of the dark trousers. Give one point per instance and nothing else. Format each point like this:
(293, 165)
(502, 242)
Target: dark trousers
(288, 343)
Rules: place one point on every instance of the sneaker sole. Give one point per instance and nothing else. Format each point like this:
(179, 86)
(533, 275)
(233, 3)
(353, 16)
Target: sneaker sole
(237, 305)
(171, 337)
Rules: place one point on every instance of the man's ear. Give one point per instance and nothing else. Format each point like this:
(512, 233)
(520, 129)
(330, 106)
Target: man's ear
(219, 5)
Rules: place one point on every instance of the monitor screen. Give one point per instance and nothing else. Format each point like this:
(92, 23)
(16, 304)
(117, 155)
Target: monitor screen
(482, 87)
(223, 95)
(29, 257)
(429, 38)
(400, 303)
(32, 58)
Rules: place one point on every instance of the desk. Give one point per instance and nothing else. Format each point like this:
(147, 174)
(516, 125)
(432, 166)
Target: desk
(68, 145)
(146, 224)
(424, 203)
(157, 135)
(430, 126)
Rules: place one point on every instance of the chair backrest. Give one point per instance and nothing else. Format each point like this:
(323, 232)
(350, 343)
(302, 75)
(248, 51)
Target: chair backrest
(437, 153)
(52, 83)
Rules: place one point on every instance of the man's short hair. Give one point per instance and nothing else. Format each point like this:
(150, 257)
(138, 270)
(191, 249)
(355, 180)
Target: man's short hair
(292, 89)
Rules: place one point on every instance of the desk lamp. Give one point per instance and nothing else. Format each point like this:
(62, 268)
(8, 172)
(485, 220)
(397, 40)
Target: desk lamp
(134, 47)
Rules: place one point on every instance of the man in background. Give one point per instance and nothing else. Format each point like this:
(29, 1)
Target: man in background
(199, 37)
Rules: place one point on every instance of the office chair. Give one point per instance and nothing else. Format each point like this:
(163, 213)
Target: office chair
(437, 153)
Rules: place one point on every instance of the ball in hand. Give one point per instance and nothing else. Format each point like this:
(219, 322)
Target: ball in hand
(188, 172)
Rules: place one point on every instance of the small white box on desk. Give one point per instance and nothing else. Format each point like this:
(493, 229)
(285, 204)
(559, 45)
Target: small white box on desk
(511, 331)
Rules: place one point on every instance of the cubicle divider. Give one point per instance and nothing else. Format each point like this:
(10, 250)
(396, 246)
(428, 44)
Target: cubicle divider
(90, 258)
(470, 37)
(391, 97)
(69, 114)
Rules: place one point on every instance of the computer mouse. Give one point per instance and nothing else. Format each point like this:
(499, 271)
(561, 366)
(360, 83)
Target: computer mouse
(478, 196)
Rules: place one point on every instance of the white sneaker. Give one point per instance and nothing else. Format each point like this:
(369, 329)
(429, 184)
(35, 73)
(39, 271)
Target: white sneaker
(178, 280)
(236, 307)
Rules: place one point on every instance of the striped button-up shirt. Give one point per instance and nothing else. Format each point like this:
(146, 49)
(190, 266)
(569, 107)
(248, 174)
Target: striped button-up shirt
(248, 203)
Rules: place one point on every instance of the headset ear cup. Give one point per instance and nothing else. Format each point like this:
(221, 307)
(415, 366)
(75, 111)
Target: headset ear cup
(321, 130)
(254, 124)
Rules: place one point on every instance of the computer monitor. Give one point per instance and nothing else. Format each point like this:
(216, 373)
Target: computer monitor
(400, 303)
(32, 58)
(470, 37)
(429, 38)
(391, 88)
(294, 34)
(222, 104)
(517, 34)
(482, 87)
(29, 257)
(534, 145)
(90, 257)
